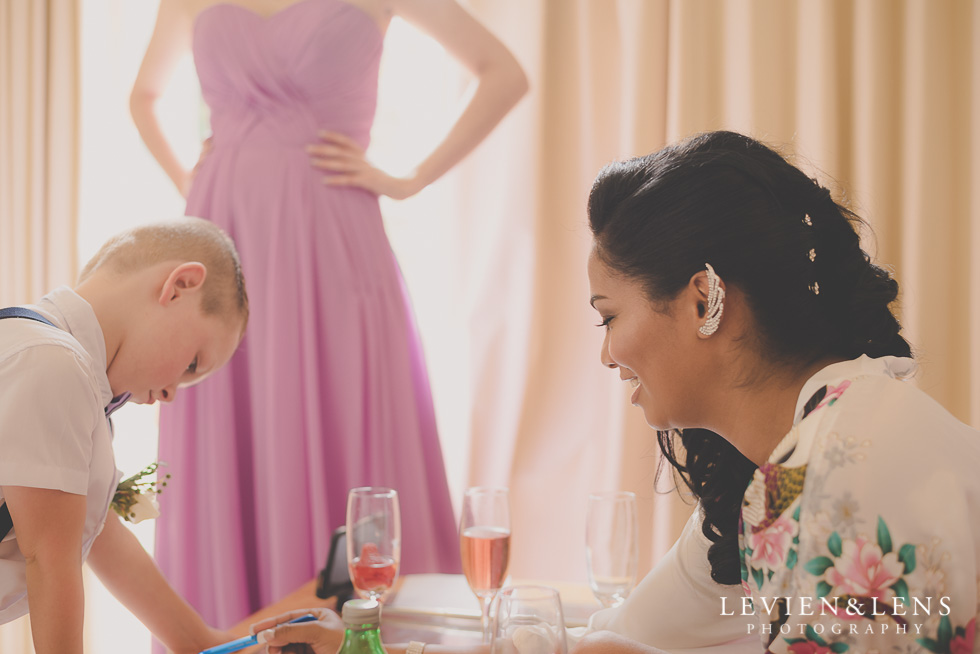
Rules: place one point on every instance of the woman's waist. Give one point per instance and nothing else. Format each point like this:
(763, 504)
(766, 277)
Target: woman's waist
(284, 129)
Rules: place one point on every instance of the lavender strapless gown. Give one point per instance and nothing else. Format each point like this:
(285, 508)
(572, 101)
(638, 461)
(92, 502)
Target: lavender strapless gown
(329, 389)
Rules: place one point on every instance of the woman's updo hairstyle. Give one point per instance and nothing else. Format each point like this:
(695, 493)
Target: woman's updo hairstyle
(765, 227)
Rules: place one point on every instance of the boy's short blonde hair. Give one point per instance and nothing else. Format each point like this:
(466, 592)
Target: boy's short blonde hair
(182, 239)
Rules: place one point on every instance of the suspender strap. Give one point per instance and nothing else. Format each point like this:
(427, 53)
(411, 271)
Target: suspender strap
(21, 312)
(6, 524)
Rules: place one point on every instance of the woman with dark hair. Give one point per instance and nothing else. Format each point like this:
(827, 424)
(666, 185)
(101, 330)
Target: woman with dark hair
(836, 503)
(759, 341)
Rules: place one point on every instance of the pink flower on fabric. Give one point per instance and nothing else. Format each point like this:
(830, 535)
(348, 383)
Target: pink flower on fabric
(808, 647)
(964, 644)
(862, 570)
(771, 545)
(834, 392)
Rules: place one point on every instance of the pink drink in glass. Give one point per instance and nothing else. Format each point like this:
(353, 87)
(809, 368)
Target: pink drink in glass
(485, 552)
(373, 573)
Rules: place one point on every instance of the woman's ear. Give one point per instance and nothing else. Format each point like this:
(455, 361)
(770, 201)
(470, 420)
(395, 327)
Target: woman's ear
(698, 290)
(708, 292)
(188, 277)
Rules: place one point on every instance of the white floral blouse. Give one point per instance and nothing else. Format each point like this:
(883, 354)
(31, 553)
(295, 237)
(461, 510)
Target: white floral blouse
(862, 531)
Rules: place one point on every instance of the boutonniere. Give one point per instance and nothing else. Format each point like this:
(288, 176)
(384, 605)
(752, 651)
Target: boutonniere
(135, 499)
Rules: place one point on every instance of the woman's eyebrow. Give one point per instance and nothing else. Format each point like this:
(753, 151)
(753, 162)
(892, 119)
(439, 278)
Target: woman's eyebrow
(596, 297)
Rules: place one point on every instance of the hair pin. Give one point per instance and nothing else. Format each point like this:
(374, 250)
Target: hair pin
(807, 221)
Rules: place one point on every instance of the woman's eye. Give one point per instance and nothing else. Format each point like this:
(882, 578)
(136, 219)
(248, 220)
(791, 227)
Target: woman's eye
(193, 367)
(605, 322)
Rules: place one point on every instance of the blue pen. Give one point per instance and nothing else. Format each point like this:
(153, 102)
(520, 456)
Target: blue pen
(247, 641)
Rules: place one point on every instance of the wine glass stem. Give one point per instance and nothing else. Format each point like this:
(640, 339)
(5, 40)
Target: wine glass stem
(485, 617)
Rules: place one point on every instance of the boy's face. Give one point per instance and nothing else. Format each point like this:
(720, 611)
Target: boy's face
(171, 343)
(181, 354)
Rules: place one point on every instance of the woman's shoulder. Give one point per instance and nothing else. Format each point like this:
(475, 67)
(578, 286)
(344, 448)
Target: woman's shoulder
(883, 411)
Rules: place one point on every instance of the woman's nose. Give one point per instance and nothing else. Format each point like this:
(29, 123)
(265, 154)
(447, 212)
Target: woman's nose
(604, 353)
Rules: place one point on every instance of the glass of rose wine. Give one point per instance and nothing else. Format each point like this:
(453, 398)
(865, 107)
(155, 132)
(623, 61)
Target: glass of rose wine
(373, 540)
(612, 546)
(484, 543)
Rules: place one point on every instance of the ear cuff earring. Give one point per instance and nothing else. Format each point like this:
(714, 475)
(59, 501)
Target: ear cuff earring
(716, 297)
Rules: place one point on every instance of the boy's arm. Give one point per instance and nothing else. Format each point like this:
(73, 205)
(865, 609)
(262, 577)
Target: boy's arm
(133, 578)
(49, 525)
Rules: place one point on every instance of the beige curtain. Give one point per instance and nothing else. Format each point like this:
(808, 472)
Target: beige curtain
(876, 97)
(38, 166)
(38, 146)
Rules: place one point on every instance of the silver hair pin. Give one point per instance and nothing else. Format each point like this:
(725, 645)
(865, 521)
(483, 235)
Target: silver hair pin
(716, 298)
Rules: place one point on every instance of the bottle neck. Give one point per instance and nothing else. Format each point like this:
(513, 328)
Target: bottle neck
(365, 638)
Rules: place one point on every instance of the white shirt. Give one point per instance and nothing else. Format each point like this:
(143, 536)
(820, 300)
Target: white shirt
(874, 494)
(53, 429)
(877, 462)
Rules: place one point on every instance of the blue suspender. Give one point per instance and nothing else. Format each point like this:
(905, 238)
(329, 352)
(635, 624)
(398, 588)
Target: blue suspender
(6, 524)
(21, 312)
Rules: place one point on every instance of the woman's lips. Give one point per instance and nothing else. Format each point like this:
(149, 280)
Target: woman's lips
(635, 384)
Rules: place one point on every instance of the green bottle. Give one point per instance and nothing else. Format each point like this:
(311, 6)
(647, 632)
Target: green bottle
(363, 621)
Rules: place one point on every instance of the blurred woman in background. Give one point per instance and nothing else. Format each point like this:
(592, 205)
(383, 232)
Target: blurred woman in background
(329, 389)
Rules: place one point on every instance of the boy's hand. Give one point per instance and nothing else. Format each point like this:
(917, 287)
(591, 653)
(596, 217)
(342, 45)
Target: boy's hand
(321, 637)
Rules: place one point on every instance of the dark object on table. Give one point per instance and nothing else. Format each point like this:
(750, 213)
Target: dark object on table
(334, 579)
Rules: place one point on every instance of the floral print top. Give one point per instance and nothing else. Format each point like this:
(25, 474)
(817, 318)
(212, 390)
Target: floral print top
(861, 533)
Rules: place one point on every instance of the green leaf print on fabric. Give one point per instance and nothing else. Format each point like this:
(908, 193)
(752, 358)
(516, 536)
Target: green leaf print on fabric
(839, 648)
(884, 537)
(823, 589)
(812, 635)
(949, 641)
(834, 544)
(945, 633)
(901, 590)
(791, 559)
(907, 556)
(759, 576)
(819, 565)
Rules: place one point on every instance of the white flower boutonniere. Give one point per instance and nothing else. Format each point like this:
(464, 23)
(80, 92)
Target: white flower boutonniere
(135, 499)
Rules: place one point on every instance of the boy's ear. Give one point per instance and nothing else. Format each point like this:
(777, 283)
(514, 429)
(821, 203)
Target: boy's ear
(188, 277)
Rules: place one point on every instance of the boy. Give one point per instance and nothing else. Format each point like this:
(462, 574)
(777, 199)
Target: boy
(158, 307)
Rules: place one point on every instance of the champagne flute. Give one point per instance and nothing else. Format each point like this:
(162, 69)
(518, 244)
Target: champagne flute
(612, 546)
(373, 540)
(484, 543)
(528, 619)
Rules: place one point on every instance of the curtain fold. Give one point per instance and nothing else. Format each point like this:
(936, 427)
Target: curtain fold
(876, 99)
(39, 102)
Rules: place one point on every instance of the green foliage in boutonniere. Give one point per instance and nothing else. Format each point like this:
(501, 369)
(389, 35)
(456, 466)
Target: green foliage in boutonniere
(135, 499)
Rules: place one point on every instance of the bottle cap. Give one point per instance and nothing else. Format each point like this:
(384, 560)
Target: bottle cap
(361, 611)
